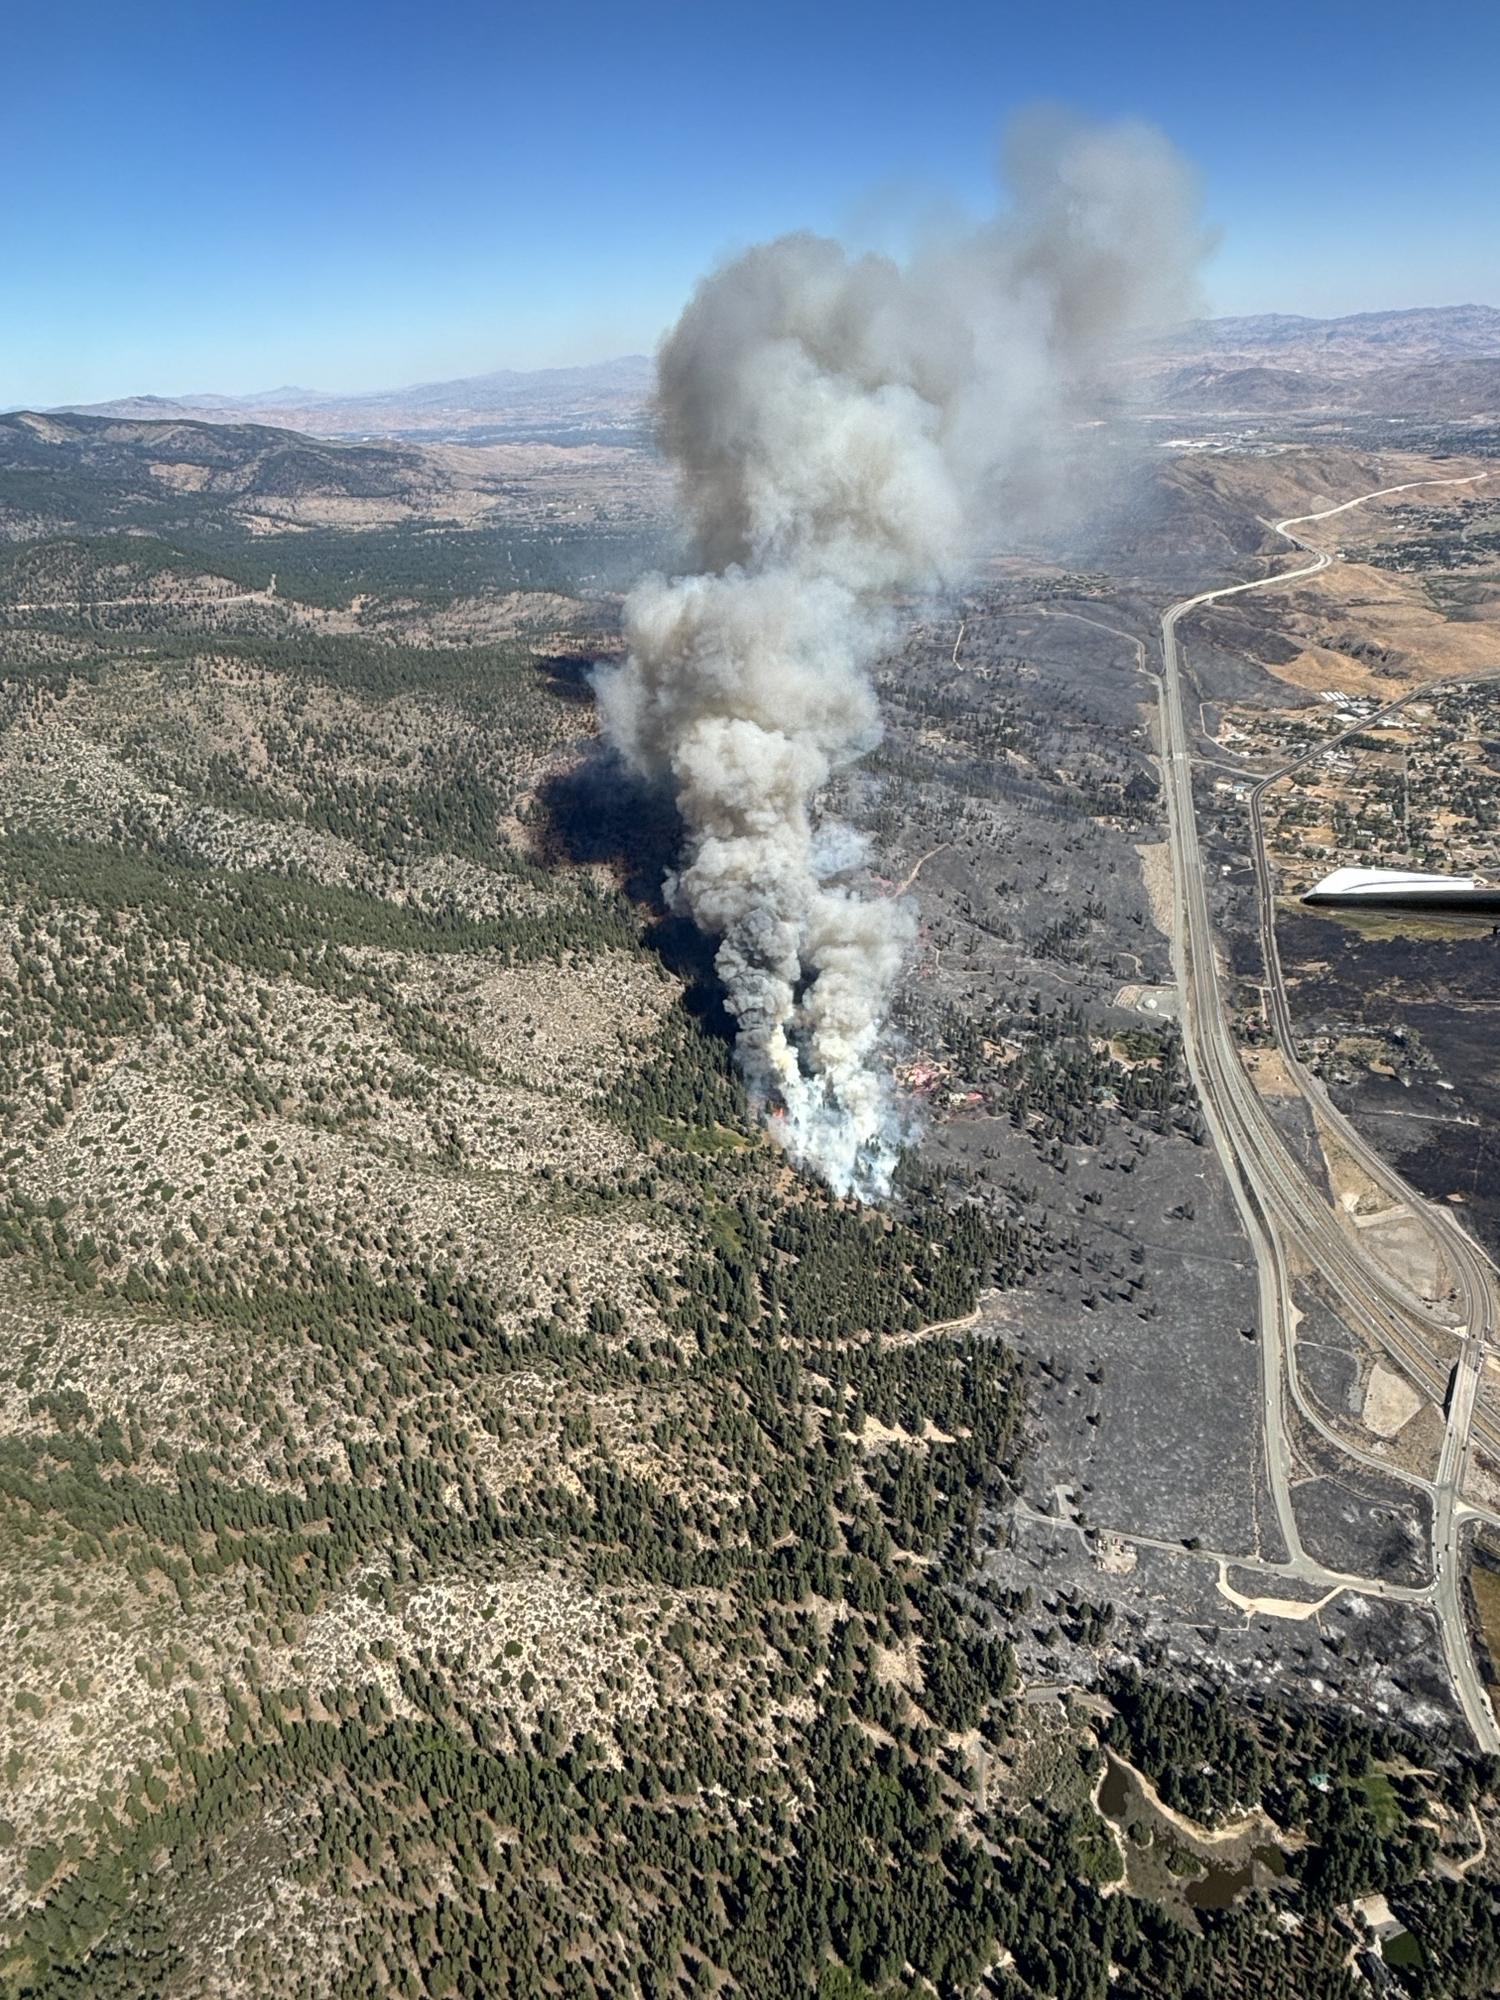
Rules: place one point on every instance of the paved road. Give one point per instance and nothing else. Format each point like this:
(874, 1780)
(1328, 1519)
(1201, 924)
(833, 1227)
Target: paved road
(1441, 1221)
(1281, 1207)
(1447, 1544)
(1309, 1413)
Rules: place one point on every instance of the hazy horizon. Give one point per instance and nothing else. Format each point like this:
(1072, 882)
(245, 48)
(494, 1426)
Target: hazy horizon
(362, 198)
(324, 391)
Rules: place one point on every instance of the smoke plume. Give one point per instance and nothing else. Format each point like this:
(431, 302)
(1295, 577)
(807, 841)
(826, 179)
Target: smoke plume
(844, 428)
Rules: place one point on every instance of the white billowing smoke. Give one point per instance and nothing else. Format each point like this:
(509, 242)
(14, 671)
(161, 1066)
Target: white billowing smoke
(841, 427)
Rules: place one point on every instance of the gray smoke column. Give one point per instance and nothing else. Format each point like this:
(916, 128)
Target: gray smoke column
(843, 428)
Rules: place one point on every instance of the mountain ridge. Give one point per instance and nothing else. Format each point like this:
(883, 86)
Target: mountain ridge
(1408, 360)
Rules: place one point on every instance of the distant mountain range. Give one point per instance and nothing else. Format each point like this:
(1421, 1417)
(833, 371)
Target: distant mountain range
(1422, 361)
(589, 404)
(1425, 361)
(1370, 339)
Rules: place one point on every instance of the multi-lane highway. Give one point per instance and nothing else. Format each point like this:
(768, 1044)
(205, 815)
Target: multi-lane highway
(1283, 1209)
(1475, 1275)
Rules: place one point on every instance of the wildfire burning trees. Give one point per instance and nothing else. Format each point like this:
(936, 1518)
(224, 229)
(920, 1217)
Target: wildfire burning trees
(845, 428)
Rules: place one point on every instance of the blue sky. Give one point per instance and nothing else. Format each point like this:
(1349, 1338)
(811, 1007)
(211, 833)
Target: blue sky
(230, 196)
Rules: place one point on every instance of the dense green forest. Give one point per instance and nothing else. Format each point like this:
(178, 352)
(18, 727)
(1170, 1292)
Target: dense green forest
(322, 568)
